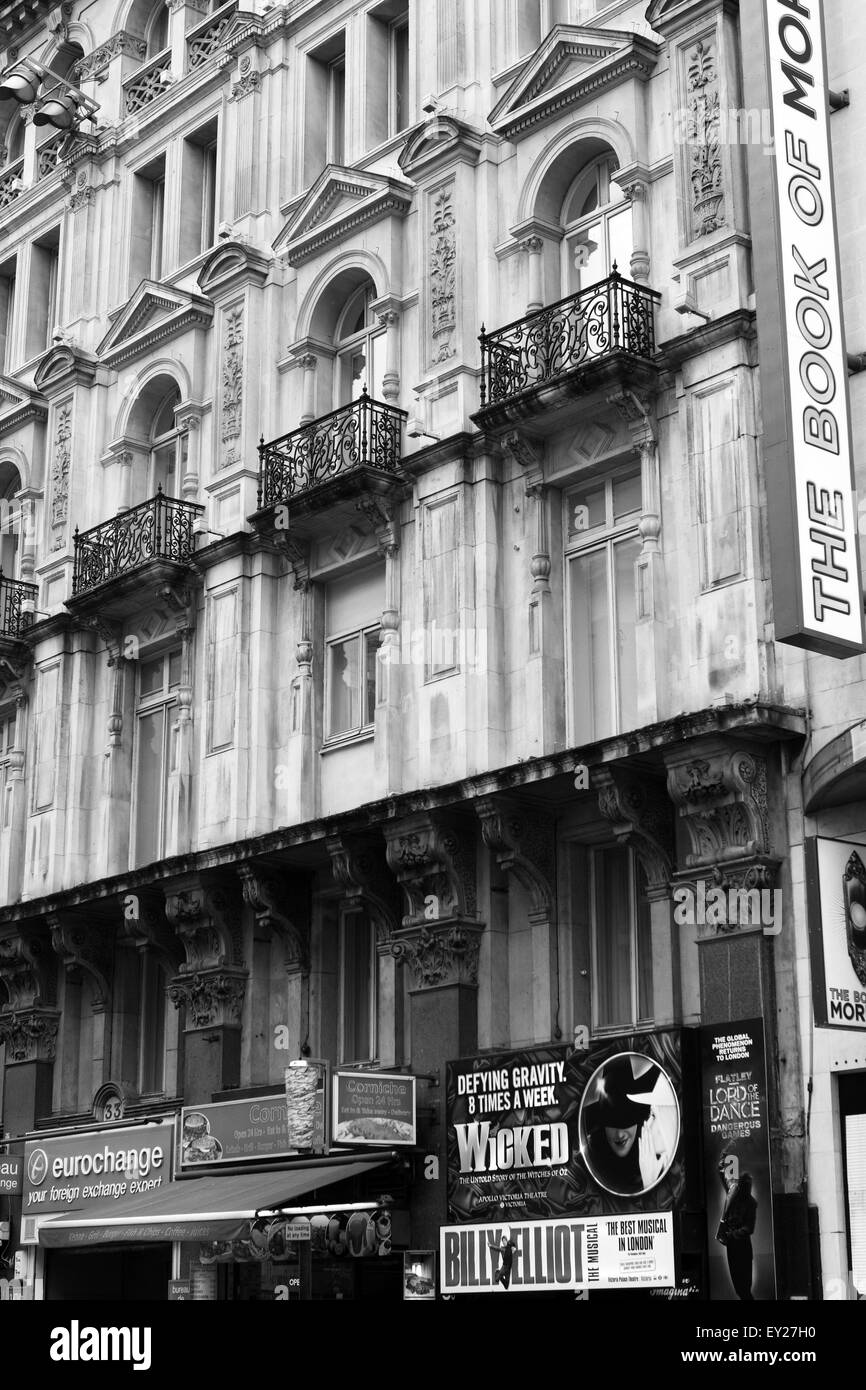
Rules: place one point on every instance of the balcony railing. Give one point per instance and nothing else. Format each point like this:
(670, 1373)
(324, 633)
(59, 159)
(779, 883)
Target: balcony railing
(614, 316)
(204, 40)
(48, 154)
(147, 84)
(160, 529)
(365, 434)
(14, 617)
(11, 182)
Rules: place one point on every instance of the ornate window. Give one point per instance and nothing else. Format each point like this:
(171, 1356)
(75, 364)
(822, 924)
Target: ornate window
(165, 449)
(353, 608)
(360, 342)
(598, 228)
(156, 32)
(602, 546)
(158, 682)
(621, 941)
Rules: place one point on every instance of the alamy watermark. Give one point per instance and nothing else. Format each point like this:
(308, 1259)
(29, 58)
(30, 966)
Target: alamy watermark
(712, 906)
(748, 125)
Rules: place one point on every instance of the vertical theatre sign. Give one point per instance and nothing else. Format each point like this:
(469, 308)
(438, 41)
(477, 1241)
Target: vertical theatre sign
(737, 1162)
(817, 597)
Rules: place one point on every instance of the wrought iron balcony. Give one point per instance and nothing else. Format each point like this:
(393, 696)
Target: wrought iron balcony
(14, 617)
(158, 530)
(365, 435)
(607, 321)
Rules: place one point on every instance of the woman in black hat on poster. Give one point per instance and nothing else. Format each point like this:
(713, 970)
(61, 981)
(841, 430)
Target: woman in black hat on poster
(625, 1150)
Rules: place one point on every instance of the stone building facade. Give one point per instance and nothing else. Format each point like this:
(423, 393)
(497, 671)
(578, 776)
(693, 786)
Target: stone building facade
(368, 690)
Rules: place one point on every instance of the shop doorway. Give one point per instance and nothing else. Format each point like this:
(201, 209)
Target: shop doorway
(130, 1272)
(852, 1111)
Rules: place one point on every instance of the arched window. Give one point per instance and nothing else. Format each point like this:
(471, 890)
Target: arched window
(596, 217)
(14, 142)
(11, 520)
(360, 343)
(165, 447)
(156, 32)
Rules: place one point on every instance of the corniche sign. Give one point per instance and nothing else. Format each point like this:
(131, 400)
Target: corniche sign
(817, 597)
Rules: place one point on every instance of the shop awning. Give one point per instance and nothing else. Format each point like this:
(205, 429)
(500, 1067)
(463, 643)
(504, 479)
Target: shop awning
(211, 1208)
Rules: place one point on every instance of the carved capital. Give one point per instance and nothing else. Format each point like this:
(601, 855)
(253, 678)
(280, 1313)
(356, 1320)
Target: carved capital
(728, 899)
(534, 245)
(29, 1035)
(434, 862)
(637, 412)
(28, 968)
(206, 922)
(721, 795)
(641, 817)
(445, 954)
(523, 843)
(212, 998)
(383, 523)
(359, 866)
(86, 948)
(268, 895)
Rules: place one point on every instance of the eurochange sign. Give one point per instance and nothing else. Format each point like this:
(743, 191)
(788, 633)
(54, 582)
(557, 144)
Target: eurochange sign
(817, 595)
(77, 1171)
(605, 1252)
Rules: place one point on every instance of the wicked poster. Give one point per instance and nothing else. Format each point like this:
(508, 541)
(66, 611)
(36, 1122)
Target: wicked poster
(737, 1162)
(551, 1132)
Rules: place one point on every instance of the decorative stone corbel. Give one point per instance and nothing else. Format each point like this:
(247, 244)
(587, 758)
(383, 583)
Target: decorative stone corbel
(144, 922)
(642, 818)
(380, 516)
(433, 860)
(206, 923)
(523, 843)
(28, 969)
(359, 867)
(84, 948)
(721, 795)
(267, 894)
(212, 999)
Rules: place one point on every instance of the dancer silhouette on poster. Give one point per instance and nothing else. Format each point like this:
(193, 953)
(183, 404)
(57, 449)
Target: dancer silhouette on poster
(737, 1227)
(506, 1250)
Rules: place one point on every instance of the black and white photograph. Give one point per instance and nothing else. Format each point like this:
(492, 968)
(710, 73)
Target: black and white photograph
(432, 668)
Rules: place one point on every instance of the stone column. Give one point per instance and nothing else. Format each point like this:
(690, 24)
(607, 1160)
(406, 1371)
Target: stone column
(309, 362)
(211, 984)
(534, 248)
(390, 320)
(720, 792)
(433, 859)
(636, 192)
(28, 1026)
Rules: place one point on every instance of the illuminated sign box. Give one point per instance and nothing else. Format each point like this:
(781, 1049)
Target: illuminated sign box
(817, 594)
(375, 1108)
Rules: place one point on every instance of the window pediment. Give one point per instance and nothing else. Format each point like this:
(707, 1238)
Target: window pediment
(441, 140)
(571, 65)
(153, 313)
(18, 404)
(232, 264)
(339, 202)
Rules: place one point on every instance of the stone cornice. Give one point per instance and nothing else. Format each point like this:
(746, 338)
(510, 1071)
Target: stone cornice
(757, 721)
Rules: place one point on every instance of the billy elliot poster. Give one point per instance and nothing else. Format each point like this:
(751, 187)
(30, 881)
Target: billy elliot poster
(737, 1162)
(550, 1132)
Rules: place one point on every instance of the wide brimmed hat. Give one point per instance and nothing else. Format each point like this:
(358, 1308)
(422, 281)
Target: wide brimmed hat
(622, 1098)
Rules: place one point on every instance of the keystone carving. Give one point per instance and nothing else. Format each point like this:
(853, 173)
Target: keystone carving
(268, 895)
(641, 817)
(433, 860)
